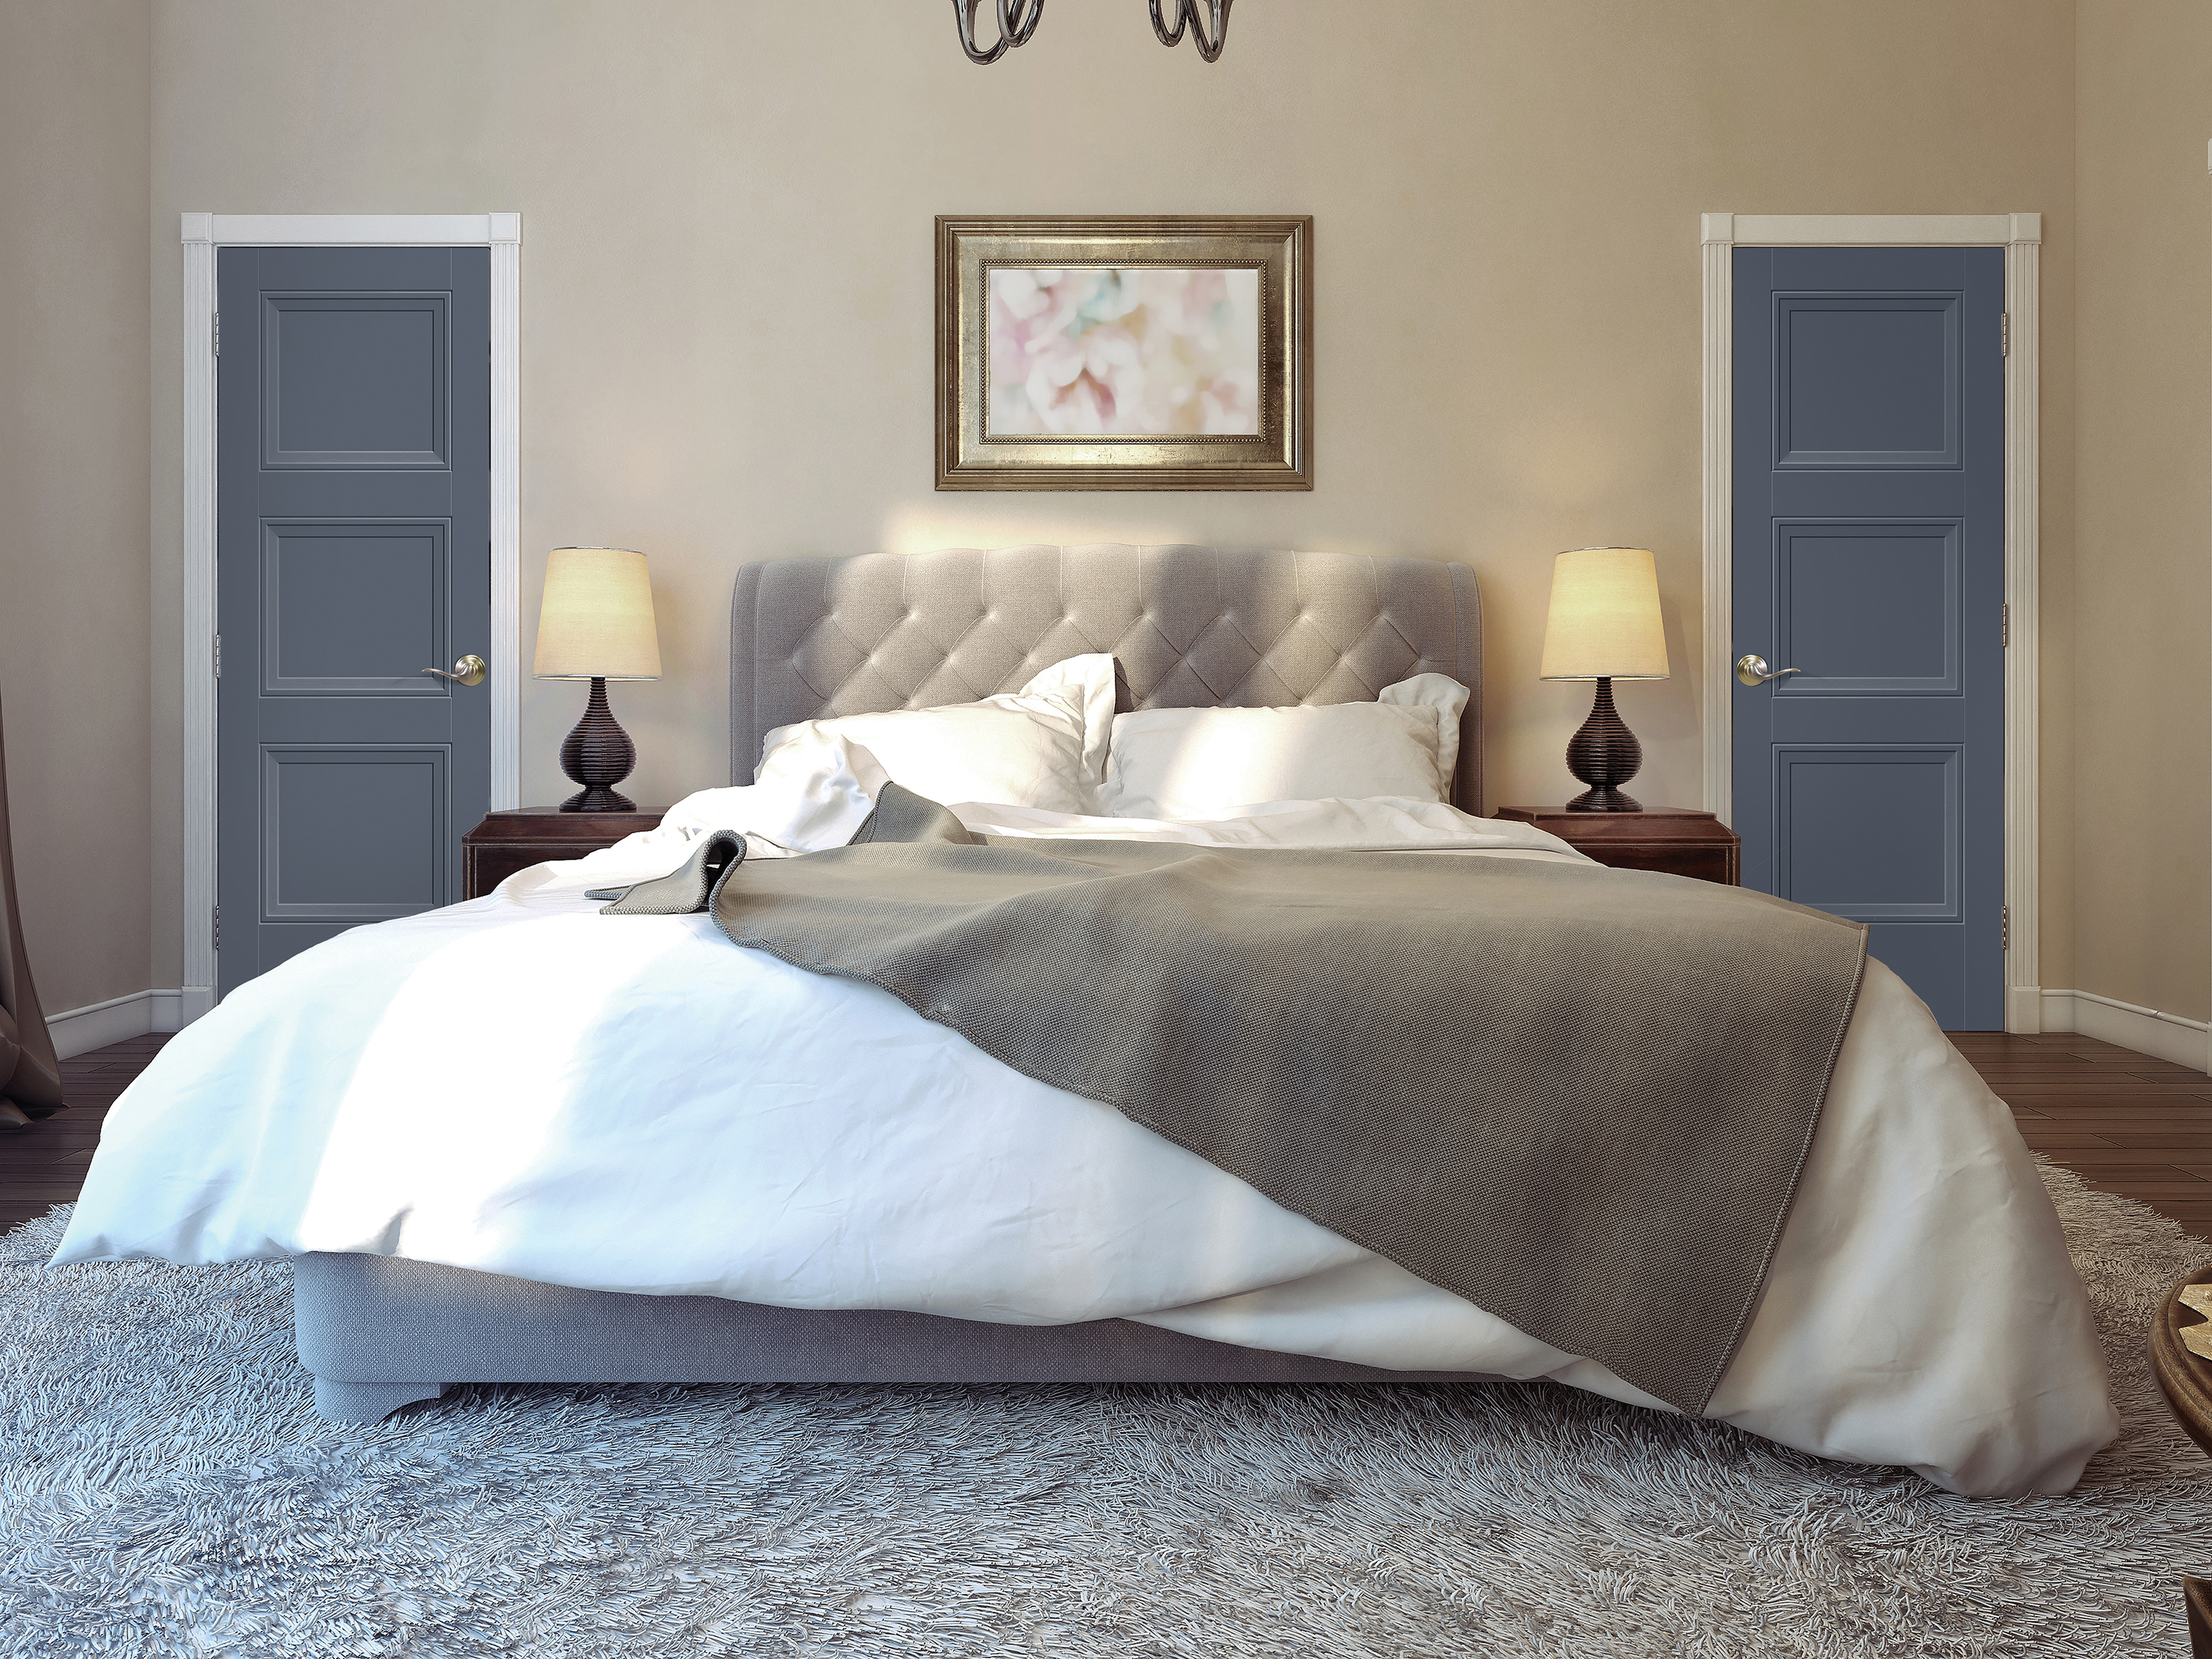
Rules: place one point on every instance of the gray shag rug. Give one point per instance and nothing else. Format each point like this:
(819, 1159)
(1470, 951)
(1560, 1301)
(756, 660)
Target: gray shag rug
(166, 1488)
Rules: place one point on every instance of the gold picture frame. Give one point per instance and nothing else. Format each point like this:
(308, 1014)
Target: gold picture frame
(1152, 353)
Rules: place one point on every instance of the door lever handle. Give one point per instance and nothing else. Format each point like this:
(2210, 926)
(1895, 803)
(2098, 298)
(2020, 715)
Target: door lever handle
(469, 670)
(1751, 669)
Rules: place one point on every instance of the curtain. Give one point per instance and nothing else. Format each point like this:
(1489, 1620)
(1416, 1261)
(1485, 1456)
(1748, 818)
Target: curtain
(30, 1076)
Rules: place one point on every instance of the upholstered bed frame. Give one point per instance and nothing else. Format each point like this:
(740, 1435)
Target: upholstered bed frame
(1187, 626)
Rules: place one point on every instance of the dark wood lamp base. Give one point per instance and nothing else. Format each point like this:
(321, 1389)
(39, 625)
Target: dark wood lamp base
(597, 754)
(1604, 754)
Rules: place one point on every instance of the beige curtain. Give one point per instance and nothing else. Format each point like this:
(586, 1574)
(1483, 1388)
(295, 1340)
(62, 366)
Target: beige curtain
(30, 1076)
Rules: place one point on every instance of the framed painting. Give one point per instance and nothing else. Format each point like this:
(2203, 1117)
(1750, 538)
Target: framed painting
(1124, 354)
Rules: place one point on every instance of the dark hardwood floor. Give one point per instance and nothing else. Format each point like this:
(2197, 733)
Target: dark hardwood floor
(2125, 1122)
(44, 1166)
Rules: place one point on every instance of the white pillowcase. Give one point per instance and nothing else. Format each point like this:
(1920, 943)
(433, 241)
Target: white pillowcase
(1191, 763)
(1043, 746)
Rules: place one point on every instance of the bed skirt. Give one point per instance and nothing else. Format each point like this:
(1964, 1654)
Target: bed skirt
(379, 1333)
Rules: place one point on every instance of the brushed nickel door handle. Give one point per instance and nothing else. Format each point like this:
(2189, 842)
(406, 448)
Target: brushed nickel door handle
(469, 670)
(1751, 669)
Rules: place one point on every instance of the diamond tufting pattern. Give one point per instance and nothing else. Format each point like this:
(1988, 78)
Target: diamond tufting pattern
(1188, 626)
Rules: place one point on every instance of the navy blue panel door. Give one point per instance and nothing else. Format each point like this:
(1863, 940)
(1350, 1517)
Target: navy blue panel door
(1870, 558)
(353, 551)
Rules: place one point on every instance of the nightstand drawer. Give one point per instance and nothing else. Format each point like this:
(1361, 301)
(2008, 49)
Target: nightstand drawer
(508, 842)
(1676, 843)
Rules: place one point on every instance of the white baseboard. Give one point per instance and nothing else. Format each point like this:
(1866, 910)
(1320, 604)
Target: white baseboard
(79, 1031)
(2146, 1030)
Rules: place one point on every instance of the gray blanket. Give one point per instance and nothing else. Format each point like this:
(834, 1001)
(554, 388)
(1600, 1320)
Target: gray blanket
(1578, 1097)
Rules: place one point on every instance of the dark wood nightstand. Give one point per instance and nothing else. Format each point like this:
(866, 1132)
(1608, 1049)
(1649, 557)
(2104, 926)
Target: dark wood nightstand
(508, 842)
(1678, 843)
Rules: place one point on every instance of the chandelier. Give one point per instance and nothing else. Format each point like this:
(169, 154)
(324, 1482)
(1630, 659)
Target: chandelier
(1017, 20)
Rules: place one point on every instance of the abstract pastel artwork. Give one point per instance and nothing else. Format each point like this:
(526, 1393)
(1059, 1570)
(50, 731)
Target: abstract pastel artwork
(1123, 351)
(1167, 353)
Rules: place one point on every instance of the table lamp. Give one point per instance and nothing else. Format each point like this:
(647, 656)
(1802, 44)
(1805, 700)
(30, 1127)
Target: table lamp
(1604, 626)
(596, 624)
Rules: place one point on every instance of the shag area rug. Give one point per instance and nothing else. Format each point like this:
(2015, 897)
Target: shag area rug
(166, 1488)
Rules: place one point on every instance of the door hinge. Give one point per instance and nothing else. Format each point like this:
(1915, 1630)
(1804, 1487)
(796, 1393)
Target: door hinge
(218, 656)
(216, 918)
(2004, 628)
(2004, 334)
(217, 340)
(2004, 929)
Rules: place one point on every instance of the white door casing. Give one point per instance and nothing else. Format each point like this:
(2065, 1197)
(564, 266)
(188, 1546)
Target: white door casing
(2020, 236)
(203, 234)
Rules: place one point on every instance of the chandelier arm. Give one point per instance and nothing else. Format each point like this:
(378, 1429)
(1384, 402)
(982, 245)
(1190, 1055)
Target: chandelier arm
(1017, 20)
(964, 13)
(1210, 50)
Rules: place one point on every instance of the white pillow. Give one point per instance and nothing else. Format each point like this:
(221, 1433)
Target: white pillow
(811, 793)
(1043, 746)
(1191, 763)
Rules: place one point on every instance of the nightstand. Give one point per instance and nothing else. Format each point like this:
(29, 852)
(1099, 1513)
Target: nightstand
(508, 842)
(1678, 843)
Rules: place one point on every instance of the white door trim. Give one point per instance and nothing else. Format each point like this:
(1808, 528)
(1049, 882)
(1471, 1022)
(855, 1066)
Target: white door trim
(2020, 236)
(203, 234)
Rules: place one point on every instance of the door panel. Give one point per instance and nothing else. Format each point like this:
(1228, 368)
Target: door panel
(1866, 381)
(349, 607)
(355, 380)
(354, 551)
(351, 832)
(1869, 555)
(1866, 609)
(1870, 833)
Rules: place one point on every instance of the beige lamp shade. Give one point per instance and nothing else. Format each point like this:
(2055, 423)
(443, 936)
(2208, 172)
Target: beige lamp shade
(1605, 622)
(596, 619)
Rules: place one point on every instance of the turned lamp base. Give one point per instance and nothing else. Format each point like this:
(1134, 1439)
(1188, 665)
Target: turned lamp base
(1604, 754)
(598, 755)
(598, 799)
(1604, 801)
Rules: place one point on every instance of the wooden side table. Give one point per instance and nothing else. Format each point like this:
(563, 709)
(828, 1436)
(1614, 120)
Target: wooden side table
(1678, 843)
(508, 842)
(2184, 1377)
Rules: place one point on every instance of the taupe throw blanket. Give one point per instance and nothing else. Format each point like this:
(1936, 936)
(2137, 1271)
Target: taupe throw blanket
(1578, 1097)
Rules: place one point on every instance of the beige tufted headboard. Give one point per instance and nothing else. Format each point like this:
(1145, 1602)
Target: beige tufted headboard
(1188, 626)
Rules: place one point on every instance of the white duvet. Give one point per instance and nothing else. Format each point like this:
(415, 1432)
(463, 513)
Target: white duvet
(520, 1085)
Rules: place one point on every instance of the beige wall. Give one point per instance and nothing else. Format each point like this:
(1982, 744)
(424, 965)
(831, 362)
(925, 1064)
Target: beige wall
(2142, 592)
(727, 206)
(73, 515)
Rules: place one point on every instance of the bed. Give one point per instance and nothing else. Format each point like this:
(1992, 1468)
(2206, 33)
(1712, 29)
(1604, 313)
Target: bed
(1187, 626)
(1965, 1352)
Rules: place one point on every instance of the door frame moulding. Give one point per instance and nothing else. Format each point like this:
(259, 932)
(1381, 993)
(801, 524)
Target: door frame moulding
(2020, 236)
(203, 234)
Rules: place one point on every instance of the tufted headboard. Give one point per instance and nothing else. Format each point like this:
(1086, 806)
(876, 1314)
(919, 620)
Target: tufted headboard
(1189, 627)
